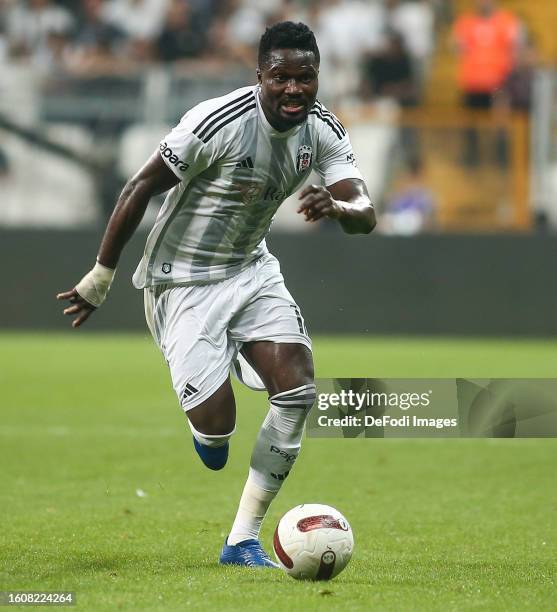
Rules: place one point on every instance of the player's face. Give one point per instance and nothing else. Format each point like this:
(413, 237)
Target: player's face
(288, 87)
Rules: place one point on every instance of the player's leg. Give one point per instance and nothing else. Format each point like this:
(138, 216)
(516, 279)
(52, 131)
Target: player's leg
(277, 346)
(216, 416)
(287, 371)
(189, 325)
(281, 365)
(212, 423)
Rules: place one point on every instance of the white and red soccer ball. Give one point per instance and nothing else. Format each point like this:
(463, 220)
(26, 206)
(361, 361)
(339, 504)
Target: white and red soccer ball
(313, 542)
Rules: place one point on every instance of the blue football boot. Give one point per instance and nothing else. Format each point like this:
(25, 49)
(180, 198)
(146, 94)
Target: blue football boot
(213, 458)
(248, 553)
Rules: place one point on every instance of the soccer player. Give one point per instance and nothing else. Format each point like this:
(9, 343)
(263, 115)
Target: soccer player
(215, 299)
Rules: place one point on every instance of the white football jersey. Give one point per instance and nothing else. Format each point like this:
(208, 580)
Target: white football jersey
(235, 170)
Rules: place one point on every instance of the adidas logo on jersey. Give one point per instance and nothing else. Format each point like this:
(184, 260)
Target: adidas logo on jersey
(245, 163)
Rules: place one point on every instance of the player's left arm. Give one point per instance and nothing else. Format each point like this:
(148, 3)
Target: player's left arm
(346, 200)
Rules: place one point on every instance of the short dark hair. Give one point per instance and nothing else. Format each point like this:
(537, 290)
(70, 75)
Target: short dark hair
(286, 35)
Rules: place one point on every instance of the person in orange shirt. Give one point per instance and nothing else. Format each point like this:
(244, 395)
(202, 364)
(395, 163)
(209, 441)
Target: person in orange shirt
(486, 41)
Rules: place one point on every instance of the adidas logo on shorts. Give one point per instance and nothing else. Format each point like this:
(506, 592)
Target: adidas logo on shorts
(188, 391)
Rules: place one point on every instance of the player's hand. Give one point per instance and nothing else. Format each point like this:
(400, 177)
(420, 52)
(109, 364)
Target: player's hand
(79, 306)
(88, 294)
(316, 202)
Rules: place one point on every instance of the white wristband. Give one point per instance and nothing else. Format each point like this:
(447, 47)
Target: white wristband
(94, 286)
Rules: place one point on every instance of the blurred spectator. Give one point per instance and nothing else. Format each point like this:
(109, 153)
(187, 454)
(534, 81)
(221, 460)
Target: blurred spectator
(414, 21)
(346, 30)
(181, 36)
(349, 27)
(245, 23)
(94, 30)
(3, 48)
(411, 208)
(139, 19)
(444, 11)
(389, 74)
(99, 58)
(517, 90)
(3, 37)
(206, 11)
(486, 42)
(98, 47)
(4, 164)
(29, 24)
(293, 10)
(54, 56)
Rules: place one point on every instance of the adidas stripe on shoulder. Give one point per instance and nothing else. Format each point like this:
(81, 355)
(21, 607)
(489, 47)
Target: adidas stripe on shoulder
(224, 115)
(327, 117)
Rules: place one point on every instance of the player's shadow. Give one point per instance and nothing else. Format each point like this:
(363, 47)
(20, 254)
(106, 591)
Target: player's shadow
(115, 566)
(116, 563)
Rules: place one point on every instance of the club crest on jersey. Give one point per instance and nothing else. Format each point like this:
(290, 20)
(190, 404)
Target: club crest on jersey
(303, 159)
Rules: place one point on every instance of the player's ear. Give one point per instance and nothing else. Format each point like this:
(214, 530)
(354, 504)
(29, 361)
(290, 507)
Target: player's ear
(258, 72)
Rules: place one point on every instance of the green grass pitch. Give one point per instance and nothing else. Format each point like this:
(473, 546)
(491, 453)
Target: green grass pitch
(88, 420)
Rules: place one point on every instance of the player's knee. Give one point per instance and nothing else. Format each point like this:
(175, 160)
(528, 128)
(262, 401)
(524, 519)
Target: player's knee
(216, 416)
(298, 373)
(301, 360)
(212, 440)
(301, 397)
(212, 424)
(288, 413)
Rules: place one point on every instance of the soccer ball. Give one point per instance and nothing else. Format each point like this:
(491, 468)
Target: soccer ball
(313, 542)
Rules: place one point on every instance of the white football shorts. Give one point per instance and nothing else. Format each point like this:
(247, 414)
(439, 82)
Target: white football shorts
(200, 329)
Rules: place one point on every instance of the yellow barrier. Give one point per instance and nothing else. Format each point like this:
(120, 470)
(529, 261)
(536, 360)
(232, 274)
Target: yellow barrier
(476, 165)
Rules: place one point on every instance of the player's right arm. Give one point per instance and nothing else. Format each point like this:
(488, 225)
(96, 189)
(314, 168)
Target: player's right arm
(183, 154)
(154, 178)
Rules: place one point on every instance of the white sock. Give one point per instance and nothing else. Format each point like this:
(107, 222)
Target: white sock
(276, 449)
(253, 507)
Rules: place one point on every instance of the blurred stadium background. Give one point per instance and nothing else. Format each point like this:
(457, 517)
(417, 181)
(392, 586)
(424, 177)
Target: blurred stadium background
(451, 111)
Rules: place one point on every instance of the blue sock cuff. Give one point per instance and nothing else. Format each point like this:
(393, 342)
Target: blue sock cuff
(214, 458)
